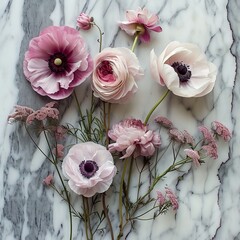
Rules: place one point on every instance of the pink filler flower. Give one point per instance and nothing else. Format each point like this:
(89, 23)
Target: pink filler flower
(89, 168)
(140, 21)
(131, 136)
(57, 61)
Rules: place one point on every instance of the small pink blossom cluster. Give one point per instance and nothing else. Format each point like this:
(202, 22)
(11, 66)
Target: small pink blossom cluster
(209, 144)
(175, 134)
(132, 136)
(28, 115)
(168, 197)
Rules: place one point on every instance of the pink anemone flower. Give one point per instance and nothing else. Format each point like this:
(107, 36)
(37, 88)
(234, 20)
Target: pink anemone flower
(140, 21)
(89, 168)
(57, 61)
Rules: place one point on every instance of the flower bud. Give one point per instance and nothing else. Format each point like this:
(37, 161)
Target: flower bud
(84, 22)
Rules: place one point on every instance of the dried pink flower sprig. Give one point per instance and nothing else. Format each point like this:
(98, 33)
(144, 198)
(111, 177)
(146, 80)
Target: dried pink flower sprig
(168, 197)
(209, 143)
(28, 115)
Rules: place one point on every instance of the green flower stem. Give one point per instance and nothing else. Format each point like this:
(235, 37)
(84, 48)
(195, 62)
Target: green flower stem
(106, 119)
(129, 176)
(120, 199)
(107, 216)
(171, 168)
(86, 217)
(36, 145)
(135, 41)
(82, 117)
(142, 214)
(62, 182)
(100, 36)
(68, 200)
(89, 224)
(155, 106)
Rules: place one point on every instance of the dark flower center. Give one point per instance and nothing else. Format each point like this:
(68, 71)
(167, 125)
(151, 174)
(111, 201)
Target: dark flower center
(88, 168)
(182, 70)
(57, 62)
(105, 71)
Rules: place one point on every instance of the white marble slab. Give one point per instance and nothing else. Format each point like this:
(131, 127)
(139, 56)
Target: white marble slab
(209, 196)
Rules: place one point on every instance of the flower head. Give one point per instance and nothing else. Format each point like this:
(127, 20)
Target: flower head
(160, 198)
(48, 111)
(194, 155)
(211, 150)
(48, 180)
(21, 114)
(184, 69)
(165, 122)
(221, 130)
(84, 22)
(114, 76)
(57, 61)
(207, 135)
(59, 151)
(131, 136)
(89, 168)
(176, 135)
(140, 21)
(172, 198)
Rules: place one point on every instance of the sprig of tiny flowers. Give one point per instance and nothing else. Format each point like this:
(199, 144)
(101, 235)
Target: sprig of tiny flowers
(89, 165)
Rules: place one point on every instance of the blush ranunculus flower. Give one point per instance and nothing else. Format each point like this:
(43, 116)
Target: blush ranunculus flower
(89, 169)
(140, 21)
(184, 69)
(132, 136)
(57, 61)
(114, 74)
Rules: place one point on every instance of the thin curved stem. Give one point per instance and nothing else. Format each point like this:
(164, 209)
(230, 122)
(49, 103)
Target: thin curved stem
(120, 199)
(155, 106)
(100, 36)
(107, 216)
(135, 41)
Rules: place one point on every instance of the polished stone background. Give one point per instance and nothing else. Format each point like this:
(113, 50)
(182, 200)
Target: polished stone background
(209, 196)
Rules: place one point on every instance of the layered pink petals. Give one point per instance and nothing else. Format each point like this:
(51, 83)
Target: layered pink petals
(95, 176)
(114, 76)
(131, 136)
(57, 61)
(184, 69)
(140, 21)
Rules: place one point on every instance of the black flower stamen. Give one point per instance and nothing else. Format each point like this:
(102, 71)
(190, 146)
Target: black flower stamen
(57, 62)
(88, 168)
(182, 70)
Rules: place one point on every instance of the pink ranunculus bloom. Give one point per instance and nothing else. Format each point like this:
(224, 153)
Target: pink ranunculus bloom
(140, 21)
(184, 69)
(57, 61)
(114, 75)
(131, 136)
(89, 169)
(84, 22)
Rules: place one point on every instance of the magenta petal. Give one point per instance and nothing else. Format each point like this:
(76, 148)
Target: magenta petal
(145, 37)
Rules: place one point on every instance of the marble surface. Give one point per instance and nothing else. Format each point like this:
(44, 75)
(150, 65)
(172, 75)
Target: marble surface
(209, 196)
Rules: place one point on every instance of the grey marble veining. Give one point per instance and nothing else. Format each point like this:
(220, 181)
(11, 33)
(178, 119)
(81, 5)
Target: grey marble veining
(209, 196)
